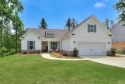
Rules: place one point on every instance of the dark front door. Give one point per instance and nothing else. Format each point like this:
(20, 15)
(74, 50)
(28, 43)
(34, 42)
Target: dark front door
(45, 47)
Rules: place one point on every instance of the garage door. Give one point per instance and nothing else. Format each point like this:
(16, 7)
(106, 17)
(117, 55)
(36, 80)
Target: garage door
(91, 49)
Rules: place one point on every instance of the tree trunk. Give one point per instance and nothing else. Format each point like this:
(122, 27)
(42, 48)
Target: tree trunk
(16, 42)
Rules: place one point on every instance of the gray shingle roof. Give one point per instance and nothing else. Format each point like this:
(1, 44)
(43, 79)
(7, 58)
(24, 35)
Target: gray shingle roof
(58, 33)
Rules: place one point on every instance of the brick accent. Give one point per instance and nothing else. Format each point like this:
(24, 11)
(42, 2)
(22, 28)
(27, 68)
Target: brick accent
(109, 53)
(30, 51)
(70, 53)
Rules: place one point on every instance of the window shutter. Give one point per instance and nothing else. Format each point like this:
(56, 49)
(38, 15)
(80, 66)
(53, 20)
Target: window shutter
(27, 45)
(94, 28)
(89, 27)
(33, 45)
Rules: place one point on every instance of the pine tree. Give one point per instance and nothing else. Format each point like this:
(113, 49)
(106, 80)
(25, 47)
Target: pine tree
(43, 24)
(70, 24)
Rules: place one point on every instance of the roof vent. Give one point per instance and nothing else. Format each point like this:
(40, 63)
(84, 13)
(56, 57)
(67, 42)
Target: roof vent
(110, 35)
(72, 34)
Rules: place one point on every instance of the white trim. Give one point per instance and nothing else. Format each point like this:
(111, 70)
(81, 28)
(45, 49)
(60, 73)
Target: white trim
(29, 32)
(97, 22)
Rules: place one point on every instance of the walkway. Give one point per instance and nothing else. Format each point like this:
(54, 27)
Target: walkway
(113, 61)
(47, 56)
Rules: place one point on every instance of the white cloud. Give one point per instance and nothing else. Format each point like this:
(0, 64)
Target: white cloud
(99, 5)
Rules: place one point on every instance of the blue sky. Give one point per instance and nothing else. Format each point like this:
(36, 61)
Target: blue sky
(56, 12)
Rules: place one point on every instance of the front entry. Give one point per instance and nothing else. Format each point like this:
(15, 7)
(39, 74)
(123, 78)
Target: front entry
(45, 47)
(53, 46)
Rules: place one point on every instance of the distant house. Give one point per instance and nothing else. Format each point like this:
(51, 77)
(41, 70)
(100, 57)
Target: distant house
(90, 37)
(118, 31)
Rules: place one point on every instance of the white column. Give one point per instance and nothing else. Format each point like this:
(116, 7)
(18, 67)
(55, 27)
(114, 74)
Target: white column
(60, 45)
(48, 46)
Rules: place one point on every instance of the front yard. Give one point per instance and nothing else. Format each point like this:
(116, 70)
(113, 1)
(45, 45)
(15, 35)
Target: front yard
(36, 70)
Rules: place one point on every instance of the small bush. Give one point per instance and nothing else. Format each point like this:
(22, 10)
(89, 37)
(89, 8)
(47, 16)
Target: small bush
(75, 52)
(113, 50)
(3, 50)
(13, 51)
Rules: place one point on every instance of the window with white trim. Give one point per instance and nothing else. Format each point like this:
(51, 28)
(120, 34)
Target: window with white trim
(91, 28)
(31, 45)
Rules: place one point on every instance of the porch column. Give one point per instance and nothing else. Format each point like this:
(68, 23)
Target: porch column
(48, 46)
(60, 45)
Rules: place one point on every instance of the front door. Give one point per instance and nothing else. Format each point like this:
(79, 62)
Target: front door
(45, 47)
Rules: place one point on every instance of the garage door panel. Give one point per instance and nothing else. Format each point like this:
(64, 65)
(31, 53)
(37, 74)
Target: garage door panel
(91, 49)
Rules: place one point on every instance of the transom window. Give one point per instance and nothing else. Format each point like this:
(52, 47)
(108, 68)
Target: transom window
(31, 45)
(91, 28)
(49, 34)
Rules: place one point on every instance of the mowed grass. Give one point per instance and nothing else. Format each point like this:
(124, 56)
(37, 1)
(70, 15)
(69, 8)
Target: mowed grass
(37, 70)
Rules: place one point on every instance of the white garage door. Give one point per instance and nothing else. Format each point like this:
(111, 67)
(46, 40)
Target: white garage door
(91, 49)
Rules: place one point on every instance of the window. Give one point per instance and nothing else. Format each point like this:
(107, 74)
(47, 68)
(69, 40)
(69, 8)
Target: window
(31, 45)
(53, 45)
(49, 34)
(91, 28)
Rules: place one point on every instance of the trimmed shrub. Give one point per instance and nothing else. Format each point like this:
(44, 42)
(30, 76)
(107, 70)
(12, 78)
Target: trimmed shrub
(113, 50)
(75, 52)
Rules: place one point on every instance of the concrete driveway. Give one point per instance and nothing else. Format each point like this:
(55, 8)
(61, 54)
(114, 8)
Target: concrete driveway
(113, 61)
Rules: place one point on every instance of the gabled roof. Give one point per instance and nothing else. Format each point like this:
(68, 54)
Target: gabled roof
(71, 31)
(30, 30)
(59, 34)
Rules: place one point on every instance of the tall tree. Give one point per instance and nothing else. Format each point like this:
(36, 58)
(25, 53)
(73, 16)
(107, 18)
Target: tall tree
(108, 23)
(9, 10)
(17, 26)
(43, 24)
(120, 7)
(68, 24)
(73, 23)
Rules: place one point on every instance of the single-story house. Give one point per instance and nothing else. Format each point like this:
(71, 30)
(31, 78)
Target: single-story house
(118, 31)
(90, 37)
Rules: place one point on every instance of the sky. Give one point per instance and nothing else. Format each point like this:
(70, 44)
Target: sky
(56, 12)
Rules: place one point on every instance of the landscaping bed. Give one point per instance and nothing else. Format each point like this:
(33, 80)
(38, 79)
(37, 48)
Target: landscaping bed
(62, 55)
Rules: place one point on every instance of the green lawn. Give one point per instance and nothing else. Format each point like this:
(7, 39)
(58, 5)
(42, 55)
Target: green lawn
(36, 70)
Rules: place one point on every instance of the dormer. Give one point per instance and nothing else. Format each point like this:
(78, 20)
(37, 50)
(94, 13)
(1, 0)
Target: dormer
(49, 34)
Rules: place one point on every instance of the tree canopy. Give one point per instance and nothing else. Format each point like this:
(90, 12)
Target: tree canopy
(108, 23)
(43, 24)
(120, 7)
(70, 24)
(9, 10)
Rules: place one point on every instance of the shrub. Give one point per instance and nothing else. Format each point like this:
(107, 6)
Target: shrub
(113, 50)
(3, 50)
(12, 51)
(75, 52)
